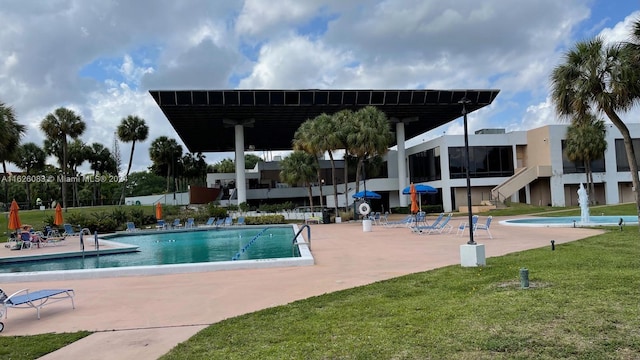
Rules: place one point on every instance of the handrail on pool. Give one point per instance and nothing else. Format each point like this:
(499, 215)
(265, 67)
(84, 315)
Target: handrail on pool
(308, 242)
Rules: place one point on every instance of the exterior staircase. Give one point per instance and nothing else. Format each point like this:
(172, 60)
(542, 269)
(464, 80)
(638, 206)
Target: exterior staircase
(520, 179)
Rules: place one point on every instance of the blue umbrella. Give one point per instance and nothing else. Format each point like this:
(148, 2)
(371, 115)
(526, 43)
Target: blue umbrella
(366, 195)
(420, 189)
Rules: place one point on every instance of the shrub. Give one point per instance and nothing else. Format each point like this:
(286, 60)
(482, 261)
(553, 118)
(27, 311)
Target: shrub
(264, 220)
(216, 211)
(119, 215)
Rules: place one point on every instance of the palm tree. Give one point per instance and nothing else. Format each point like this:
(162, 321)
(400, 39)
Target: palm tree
(599, 78)
(307, 138)
(102, 162)
(57, 126)
(346, 124)
(77, 153)
(299, 167)
(165, 154)
(586, 142)
(30, 157)
(327, 140)
(372, 136)
(10, 134)
(131, 129)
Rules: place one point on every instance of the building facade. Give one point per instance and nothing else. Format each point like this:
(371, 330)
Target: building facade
(521, 166)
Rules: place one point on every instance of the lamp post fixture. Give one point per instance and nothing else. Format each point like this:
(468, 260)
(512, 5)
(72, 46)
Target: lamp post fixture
(464, 101)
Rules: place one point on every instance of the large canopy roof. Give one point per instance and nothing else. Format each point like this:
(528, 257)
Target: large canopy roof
(205, 119)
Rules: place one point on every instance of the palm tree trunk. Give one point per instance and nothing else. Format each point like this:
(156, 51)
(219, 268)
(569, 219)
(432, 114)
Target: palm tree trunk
(28, 191)
(592, 187)
(628, 146)
(124, 183)
(310, 198)
(346, 181)
(320, 186)
(333, 182)
(360, 162)
(64, 173)
(6, 183)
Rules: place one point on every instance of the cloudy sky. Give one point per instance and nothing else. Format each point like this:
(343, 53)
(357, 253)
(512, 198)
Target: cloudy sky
(100, 58)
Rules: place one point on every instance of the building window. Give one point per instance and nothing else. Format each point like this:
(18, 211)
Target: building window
(484, 161)
(425, 166)
(577, 167)
(622, 162)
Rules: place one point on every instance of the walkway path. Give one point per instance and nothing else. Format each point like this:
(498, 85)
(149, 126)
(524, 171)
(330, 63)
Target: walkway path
(144, 317)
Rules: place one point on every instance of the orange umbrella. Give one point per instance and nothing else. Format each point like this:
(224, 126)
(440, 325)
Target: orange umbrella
(415, 207)
(58, 218)
(158, 211)
(14, 218)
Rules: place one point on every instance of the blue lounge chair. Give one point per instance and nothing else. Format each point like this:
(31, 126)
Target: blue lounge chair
(68, 230)
(465, 225)
(422, 228)
(190, 223)
(240, 220)
(131, 226)
(228, 221)
(176, 224)
(484, 227)
(161, 225)
(220, 222)
(404, 222)
(24, 299)
(210, 222)
(439, 227)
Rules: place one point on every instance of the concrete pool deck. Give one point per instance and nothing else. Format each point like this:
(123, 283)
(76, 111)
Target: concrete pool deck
(144, 317)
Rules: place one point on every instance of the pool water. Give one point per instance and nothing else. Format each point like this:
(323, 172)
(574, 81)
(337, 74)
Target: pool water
(569, 221)
(167, 248)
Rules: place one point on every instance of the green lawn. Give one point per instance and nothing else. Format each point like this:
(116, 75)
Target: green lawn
(582, 304)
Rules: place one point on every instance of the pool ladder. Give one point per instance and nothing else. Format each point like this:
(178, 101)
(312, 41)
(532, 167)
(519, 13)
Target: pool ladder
(308, 242)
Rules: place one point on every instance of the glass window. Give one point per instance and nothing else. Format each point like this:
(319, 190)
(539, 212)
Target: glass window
(484, 161)
(622, 162)
(425, 165)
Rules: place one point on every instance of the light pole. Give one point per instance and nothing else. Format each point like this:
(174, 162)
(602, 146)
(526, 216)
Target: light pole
(464, 101)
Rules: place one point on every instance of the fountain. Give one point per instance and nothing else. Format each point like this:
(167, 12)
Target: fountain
(583, 200)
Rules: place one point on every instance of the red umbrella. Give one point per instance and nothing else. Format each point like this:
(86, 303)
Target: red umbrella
(415, 206)
(58, 220)
(14, 218)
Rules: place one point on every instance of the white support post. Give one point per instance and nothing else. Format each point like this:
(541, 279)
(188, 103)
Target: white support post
(241, 182)
(402, 163)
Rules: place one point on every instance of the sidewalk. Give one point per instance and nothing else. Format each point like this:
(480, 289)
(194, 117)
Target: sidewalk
(144, 317)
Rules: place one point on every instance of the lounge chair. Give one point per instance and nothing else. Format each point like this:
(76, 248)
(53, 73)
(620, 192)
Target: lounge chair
(313, 220)
(404, 222)
(240, 220)
(24, 299)
(26, 241)
(422, 228)
(190, 223)
(68, 230)
(176, 224)
(220, 222)
(484, 227)
(161, 225)
(465, 225)
(52, 237)
(210, 222)
(131, 226)
(440, 227)
(228, 221)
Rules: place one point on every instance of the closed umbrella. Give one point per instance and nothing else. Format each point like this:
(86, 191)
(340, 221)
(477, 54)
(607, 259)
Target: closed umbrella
(158, 211)
(58, 220)
(420, 189)
(414, 199)
(14, 218)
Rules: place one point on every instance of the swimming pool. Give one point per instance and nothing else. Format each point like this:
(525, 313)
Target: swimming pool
(163, 252)
(572, 221)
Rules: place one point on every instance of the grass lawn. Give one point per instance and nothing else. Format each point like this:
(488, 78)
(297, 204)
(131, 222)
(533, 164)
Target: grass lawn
(582, 304)
(33, 347)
